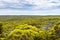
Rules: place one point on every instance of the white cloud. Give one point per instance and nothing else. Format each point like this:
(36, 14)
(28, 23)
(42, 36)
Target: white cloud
(25, 12)
(11, 1)
(45, 4)
(2, 4)
(35, 4)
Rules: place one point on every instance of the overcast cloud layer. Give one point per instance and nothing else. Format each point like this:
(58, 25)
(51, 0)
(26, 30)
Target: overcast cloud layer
(29, 7)
(29, 4)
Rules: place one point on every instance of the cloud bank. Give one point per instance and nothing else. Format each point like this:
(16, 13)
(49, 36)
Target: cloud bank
(29, 4)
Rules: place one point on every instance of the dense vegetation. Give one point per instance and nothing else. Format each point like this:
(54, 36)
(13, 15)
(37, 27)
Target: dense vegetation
(29, 27)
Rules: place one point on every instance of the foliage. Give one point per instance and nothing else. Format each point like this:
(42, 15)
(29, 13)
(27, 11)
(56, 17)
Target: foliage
(29, 27)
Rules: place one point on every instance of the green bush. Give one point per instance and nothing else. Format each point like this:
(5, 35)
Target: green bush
(25, 32)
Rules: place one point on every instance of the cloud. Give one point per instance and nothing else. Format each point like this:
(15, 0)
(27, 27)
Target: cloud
(29, 4)
(25, 12)
(11, 1)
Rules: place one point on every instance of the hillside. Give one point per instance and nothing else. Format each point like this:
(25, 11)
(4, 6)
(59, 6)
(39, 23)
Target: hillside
(29, 27)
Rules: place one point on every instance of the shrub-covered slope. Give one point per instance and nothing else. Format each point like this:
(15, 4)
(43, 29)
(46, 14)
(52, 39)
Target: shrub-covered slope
(29, 27)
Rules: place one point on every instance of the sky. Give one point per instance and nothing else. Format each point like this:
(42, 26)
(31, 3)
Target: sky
(29, 7)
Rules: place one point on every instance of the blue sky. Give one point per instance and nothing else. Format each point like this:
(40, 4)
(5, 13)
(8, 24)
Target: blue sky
(29, 7)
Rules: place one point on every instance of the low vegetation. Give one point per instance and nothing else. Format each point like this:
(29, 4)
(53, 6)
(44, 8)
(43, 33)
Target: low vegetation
(29, 27)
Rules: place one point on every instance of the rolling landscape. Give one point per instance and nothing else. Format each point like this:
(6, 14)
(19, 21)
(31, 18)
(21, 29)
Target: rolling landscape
(27, 27)
(29, 19)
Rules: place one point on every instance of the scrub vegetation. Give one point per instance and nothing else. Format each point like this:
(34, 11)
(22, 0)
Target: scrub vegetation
(29, 27)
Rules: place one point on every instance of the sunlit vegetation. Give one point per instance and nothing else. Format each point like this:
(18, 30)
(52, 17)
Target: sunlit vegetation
(29, 27)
